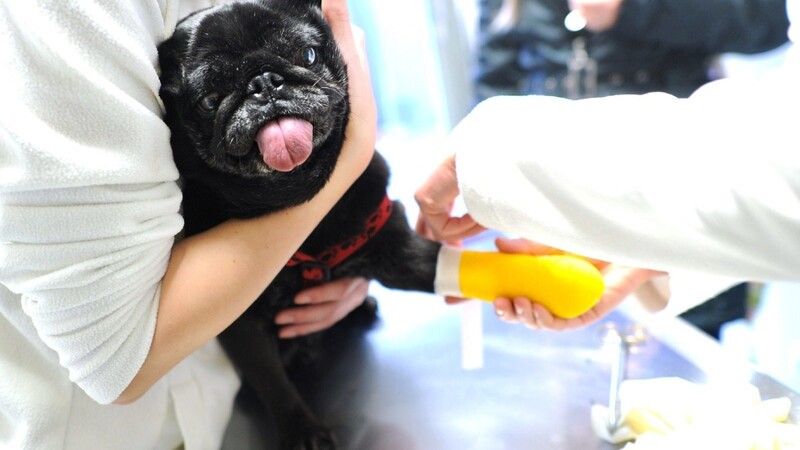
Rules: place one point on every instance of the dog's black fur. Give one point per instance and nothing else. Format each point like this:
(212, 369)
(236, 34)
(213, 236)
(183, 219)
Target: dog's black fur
(226, 72)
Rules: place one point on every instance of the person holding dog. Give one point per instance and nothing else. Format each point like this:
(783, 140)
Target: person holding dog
(626, 179)
(100, 305)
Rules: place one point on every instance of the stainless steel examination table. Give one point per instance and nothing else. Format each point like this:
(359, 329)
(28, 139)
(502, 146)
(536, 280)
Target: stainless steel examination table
(400, 385)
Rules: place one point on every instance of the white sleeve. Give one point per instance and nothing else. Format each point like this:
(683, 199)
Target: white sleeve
(705, 185)
(89, 206)
(675, 293)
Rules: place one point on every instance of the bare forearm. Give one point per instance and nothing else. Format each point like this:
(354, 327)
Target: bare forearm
(215, 276)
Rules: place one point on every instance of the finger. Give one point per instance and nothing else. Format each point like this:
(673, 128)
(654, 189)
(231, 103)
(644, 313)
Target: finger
(333, 290)
(351, 43)
(338, 17)
(589, 317)
(455, 300)
(545, 320)
(423, 229)
(440, 189)
(620, 283)
(322, 306)
(362, 99)
(507, 245)
(458, 228)
(313, 318)
(310, 319)
(548, 321)
(519, 245)
(524, 311)
(504, 309)
(599, 311)
(446, 228)
(333, 309)
(309, 314)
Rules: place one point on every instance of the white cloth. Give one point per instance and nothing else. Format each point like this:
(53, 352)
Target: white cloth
(89, 209)
(705, 186)
(447, 280)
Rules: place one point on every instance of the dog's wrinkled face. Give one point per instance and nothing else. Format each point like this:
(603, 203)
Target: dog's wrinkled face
(255, 90)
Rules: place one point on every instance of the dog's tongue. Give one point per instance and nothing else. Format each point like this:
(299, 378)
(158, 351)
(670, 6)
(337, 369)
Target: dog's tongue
(285, 143)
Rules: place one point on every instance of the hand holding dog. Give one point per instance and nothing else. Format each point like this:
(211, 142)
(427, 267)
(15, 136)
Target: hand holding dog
(320, 307)
(228, 289)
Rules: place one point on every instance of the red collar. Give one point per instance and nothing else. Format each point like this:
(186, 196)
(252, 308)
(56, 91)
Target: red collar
(316, 269)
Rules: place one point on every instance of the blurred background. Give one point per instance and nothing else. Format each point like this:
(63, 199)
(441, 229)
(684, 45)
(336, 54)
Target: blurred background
(420, 61)
(423, 59)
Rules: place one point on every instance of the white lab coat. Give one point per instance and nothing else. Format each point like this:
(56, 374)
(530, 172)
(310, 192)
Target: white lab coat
(89, 208)
(706, 188)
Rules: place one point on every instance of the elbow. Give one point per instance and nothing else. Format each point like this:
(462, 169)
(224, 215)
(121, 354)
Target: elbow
(129, 396)
(138, 386)
(124, 399)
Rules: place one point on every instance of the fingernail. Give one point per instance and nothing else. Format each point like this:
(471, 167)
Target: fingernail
(535, 316)
(284, 319)
(518, 310)
(499, 313)
(287, 334)
(302, 300)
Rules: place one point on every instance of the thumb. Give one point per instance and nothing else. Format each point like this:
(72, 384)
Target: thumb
(525, 246)
(338, 17)
(352, 45)
(520, 245)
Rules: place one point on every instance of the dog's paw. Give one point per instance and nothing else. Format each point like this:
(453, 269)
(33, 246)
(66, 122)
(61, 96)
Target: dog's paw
(318, 438)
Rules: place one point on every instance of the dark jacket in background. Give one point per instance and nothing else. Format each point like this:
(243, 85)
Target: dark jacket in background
(656, 45)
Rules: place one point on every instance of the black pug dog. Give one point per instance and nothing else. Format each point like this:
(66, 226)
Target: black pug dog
(256, 99)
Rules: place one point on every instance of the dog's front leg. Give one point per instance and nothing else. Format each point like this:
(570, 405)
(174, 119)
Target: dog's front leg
(253, 349)
(399, 258)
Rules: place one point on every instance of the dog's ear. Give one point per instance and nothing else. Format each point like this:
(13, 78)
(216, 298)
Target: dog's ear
(169, 64)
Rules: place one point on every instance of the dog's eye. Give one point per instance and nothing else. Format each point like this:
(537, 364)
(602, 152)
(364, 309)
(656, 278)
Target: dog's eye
(209, 103)
(306, 57)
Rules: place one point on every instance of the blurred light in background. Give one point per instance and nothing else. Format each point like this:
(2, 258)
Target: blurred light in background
(419, 62)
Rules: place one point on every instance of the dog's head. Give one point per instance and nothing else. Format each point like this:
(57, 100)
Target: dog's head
(256, 94)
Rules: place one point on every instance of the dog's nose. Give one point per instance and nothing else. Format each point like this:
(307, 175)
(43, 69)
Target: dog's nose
(266, 82)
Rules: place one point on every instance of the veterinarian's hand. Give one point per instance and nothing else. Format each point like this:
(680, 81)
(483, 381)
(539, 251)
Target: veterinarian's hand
(435, 198)
(620, 282)
(321, 306)
(363, 124)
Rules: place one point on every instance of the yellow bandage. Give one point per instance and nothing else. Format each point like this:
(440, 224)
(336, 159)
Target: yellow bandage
(566, 285)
